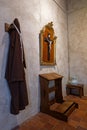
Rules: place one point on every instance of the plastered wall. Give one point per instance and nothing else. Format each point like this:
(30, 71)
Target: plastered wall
(77, 36)
(32, 15)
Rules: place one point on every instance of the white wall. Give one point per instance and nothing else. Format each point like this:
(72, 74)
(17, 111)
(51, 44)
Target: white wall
(77, 32)
(33, 15)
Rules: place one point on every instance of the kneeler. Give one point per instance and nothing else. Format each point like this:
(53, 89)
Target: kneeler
(55, 107)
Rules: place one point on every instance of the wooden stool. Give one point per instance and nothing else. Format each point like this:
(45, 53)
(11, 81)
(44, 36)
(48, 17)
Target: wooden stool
(77, 87)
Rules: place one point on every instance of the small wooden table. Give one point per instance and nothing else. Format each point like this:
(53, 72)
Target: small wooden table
(77, 87)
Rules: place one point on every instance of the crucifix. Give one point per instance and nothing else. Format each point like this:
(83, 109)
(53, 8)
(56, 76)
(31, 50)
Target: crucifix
(49, 43)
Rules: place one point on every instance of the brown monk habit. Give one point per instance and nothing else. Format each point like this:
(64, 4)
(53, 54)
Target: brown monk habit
(15, 74)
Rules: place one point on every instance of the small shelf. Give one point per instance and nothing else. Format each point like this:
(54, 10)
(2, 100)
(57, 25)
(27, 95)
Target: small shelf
(52, 89)
(52, 102)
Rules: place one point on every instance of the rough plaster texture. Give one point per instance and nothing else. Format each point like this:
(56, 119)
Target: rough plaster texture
(62, 4)
(77, 30)
(74, 5)
(33, 15)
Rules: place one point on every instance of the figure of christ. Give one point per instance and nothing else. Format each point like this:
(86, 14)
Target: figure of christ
(49, 43)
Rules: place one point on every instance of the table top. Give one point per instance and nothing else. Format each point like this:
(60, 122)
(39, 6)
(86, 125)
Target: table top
(74, 85)
(51, 76)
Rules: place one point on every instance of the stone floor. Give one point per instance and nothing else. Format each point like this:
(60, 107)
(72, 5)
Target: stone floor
(77, 120)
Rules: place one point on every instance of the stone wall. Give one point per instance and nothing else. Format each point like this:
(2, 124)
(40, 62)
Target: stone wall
(77, 34)
(33, 15)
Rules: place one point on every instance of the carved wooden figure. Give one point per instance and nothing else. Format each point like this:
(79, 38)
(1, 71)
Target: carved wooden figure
(47, 45)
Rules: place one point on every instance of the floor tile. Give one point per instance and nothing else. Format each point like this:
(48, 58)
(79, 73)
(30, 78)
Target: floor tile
(83, 124)
(73, 123)
(80, 128)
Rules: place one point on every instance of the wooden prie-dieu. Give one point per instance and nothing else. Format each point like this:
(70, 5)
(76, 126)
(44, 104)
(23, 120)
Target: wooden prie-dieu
(54, 106)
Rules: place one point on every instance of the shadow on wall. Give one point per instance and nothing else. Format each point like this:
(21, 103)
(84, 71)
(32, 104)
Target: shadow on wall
(48, 69)
(7, 120)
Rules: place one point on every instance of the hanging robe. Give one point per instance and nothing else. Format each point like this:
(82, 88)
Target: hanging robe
(15, 74)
